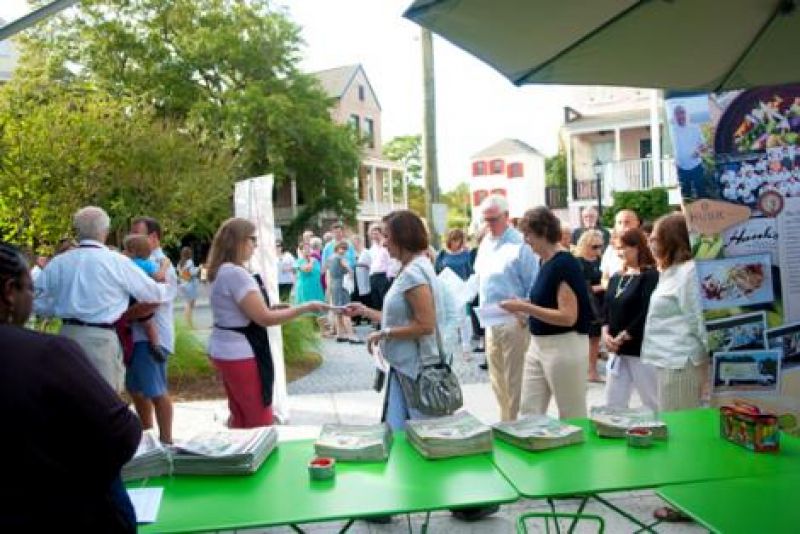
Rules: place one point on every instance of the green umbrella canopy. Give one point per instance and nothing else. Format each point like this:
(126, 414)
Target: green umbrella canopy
(693, 45)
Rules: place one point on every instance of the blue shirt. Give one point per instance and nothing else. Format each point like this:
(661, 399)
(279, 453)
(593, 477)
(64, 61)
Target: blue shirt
(148, 266)
(506, 267)
(458, 262)
(350, 255)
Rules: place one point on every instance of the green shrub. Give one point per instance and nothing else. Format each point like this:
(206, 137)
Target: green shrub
(300, 337)
(650, 205)
(190, 360)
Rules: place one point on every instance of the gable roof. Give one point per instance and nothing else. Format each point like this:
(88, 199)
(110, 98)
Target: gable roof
(506, 147)
(337, 81)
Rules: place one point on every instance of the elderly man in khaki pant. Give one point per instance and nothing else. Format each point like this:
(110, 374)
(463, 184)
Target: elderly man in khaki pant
(506, 268)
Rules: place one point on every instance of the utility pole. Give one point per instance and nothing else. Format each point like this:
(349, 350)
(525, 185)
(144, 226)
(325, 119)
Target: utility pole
(429, 132)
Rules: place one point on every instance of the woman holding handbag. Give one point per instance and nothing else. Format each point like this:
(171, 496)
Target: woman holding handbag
(408, 320)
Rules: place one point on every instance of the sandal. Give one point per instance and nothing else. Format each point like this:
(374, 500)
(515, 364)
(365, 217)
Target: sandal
(670, 515)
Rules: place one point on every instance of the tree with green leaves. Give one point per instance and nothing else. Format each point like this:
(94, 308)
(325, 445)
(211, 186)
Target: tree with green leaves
(223, 71)
(407, 149)
(459, 210)
(64, 148)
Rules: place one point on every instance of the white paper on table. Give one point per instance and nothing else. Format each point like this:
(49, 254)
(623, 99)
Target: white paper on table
(146, 503)
(493, 315)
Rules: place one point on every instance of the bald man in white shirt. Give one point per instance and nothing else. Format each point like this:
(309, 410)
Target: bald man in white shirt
(89, 288)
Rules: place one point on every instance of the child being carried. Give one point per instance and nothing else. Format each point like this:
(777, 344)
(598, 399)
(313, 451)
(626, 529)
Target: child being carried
(137, 248)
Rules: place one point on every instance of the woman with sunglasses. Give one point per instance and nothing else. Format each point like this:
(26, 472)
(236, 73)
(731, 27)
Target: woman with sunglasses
(588, 250)
(239, 346)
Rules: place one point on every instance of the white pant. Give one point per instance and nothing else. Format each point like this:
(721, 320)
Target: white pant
(625, 373)
(556, 366)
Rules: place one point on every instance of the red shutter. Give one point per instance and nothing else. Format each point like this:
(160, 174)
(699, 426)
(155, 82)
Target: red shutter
(496, 166)
(515, 170)
(478, 196)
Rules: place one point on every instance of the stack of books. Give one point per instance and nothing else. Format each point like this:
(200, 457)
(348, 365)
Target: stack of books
(615, 422)
(455, 435)
(538, 432)
(355, 443)
(224, 452)
(151, 459)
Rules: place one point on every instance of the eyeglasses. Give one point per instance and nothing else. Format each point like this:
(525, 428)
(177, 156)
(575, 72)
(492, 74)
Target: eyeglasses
(597, 247)
(492, 220)
(254, 239)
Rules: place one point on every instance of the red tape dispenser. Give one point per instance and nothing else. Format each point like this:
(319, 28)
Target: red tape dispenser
(746, 425)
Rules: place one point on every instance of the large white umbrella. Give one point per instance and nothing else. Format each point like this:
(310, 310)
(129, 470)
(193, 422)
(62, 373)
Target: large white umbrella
(707, 45)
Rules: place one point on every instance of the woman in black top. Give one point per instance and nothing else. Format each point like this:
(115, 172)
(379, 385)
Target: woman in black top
(560, 313)
(588, 251)
(627, 300)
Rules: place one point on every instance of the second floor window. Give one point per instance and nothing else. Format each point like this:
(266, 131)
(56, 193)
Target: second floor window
(355, 123)
(496, 166)
(478, 196)
(479, 168)
(361, 93)
(515, 170)
(369, 132)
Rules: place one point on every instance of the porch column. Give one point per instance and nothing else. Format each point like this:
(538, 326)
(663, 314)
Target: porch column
(617, 144)
(374, 189)
(655, 136)
(294, 197)
(570, 192)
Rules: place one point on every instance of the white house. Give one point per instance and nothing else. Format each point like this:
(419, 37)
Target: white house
(510, 168)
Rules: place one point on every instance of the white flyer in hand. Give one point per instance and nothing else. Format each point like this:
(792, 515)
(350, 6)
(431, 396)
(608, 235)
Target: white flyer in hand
(379, 360)
(493, 315)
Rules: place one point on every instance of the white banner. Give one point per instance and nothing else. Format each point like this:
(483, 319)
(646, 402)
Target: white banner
(253, 201)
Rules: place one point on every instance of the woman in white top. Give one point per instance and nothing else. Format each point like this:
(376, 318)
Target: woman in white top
(675, 340)
(238, 346)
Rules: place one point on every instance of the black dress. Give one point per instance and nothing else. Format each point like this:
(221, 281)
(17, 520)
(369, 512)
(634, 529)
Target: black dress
(593, 276)
(627, 301)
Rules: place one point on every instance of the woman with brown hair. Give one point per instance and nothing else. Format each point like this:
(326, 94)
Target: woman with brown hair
(675, 340)
(559, 310)
(627, 301)
(239, 346)
(588, 250)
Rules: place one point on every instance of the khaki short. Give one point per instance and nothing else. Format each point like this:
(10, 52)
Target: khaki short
(102, 347)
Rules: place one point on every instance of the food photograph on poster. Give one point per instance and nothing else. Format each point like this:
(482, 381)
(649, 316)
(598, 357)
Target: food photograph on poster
(747, 370)
(735, 282)
(741, 332)
(787, 340)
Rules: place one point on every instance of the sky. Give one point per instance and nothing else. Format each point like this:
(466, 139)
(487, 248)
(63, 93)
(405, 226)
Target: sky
(475, 106)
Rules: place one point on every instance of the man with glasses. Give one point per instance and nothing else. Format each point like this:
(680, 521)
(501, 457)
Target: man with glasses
(506, 268)
(589, 221)
(611, 262)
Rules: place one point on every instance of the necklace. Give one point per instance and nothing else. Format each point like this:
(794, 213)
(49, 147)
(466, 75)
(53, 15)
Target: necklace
(624, 282)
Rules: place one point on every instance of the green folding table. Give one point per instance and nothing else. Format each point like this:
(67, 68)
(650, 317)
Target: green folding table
(281, 493)
(694, 452)
(743, 505)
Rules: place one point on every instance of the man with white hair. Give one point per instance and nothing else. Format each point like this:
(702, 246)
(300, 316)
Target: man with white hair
(590, 221)
(689, 149)
(506, 268)
(89, 288)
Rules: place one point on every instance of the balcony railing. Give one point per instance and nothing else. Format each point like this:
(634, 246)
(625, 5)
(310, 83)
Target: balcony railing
(555, 197)
(626, 175)
(366, 208)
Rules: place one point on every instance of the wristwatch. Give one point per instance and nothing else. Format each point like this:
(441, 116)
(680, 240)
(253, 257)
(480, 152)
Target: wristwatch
(386, 332)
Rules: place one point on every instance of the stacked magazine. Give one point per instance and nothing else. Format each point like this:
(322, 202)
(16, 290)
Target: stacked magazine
(614, 422)
(455, 435)
(355, 443)
(538, 432)
(151, 459)
(224, 452)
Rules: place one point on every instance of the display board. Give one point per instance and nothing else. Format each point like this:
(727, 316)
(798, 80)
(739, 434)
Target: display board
(738, 161)
(253, 201)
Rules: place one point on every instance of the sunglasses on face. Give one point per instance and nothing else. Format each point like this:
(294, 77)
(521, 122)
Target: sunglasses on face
(597, 247)
(253, 239)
